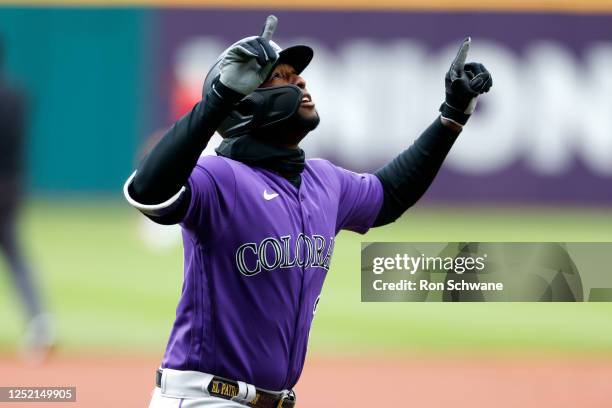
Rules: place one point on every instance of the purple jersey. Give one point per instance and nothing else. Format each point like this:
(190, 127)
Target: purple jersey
(257, 250)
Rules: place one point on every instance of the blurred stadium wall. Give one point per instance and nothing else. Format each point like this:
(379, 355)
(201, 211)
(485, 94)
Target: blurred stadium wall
(101, 79)
(84, 74)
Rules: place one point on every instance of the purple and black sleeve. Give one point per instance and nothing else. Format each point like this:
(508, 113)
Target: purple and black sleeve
(407, 177)
(159, 187)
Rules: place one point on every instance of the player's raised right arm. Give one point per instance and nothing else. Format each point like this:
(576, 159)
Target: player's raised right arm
(159, 188)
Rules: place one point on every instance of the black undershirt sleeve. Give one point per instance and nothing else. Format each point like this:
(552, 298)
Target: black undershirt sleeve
(406, 178)
(166, 169)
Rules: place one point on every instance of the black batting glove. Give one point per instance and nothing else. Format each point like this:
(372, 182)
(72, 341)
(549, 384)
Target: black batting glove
(248, 62)
(464, 82)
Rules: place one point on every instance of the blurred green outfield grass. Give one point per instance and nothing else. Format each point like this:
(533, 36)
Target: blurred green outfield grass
(108, 291)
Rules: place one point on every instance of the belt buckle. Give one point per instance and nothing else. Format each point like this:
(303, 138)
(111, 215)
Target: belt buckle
(285, 397)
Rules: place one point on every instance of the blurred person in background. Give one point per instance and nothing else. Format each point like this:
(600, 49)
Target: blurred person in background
(39, 337)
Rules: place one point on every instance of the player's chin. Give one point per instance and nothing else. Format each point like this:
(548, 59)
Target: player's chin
(309, 117)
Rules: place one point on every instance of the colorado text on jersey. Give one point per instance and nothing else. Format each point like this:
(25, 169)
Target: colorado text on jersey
(271, 253)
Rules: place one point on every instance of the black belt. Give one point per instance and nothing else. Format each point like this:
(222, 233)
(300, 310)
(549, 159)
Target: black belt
(227, 389)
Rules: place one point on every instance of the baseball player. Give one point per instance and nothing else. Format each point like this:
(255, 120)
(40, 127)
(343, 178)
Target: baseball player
(40, 334)
(259, 221)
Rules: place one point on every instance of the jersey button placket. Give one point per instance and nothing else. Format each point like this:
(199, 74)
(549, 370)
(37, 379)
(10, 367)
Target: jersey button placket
(301, 315)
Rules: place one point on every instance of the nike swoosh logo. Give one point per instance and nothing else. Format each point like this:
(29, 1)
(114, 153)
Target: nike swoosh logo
(269, 196)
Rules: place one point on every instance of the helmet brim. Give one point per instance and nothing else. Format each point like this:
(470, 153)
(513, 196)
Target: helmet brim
(298, 56)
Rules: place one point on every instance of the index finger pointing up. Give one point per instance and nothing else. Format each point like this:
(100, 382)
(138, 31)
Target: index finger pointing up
(459, 61)
(270, 27)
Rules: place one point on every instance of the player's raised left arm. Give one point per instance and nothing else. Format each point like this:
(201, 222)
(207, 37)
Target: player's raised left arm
(407, 177)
